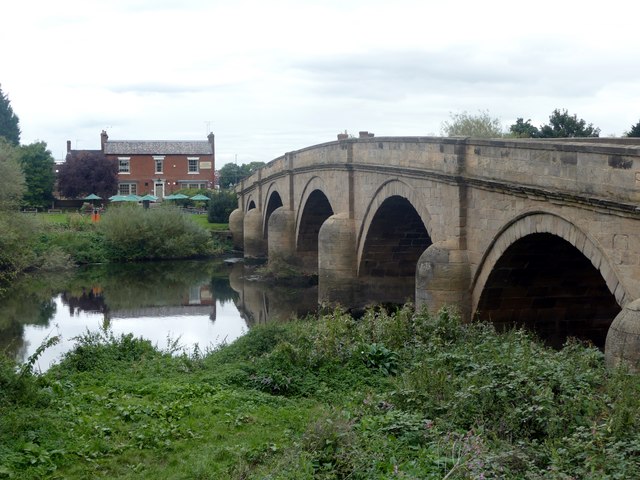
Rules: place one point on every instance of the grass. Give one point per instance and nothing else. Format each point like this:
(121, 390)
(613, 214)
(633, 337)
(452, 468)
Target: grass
(391, 395)
(64, 219)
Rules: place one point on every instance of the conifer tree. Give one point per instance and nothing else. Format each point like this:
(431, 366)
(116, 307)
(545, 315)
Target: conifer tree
(9, 128)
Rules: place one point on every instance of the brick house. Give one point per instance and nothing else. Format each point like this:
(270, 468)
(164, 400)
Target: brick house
(160, 167)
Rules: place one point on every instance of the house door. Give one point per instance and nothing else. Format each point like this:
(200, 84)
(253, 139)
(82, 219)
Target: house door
(158, 191)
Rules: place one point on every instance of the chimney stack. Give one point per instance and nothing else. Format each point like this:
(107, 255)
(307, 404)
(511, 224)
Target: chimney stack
(103, 139)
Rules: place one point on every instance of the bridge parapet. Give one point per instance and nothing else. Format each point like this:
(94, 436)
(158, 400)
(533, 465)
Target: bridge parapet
(595, 169)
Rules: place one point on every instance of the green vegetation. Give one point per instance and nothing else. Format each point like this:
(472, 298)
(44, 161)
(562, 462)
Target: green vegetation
(399, 395)
(9, 122)
(222, 203)
(561, 125)
(125, 233)
(464, 124)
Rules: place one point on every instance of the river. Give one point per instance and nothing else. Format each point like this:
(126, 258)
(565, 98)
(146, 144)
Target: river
(190, 304)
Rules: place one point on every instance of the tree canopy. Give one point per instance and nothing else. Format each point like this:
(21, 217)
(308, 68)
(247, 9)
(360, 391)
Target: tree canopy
(563, 125)
(634, 132)
(522, 129)
(38, 168)
(9, 127)
(231, 173)
(11, 177)
(87, 172)
(464, 124)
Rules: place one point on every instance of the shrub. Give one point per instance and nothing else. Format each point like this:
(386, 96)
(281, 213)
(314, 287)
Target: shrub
(132, 233)
(103, 350)
(222, 203)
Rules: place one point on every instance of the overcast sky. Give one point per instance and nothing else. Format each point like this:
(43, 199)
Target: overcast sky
(272, 76)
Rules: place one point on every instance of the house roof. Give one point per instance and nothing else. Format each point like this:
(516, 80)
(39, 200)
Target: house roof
(157, 147)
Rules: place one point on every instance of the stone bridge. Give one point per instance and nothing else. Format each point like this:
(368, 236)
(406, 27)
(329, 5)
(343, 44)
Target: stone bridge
(541, 233)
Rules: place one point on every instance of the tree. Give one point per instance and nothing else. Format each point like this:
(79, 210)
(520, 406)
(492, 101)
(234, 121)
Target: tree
(466, 125)
(11, 177)
(231, 174)
(38, 168)
(9, 128)
(522, 129)
(87, 172)
(222, 203)
(563, 125)
(634, 132)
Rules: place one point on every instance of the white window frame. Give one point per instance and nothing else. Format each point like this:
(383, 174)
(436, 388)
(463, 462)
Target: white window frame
(132, 188)
(121, 165)
(197, 165)
(158, 160)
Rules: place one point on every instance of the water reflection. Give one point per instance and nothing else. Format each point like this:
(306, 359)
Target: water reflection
(198, 302)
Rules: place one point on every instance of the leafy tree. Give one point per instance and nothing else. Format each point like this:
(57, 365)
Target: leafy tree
(222, 203)
(38, 168)
(86, 172)
(231, 174)
(522, 129)
(634, 132)
(467, 125)
(9, 128)
(563, 125)
(11, 176)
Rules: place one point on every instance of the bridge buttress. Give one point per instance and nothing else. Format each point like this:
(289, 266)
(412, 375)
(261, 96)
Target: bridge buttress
(623, 338)
(255, 245)
(236, 225)
(443, 276)
(282, 236)
(337, 261)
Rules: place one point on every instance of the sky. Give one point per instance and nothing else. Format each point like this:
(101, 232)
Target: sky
(273, 76)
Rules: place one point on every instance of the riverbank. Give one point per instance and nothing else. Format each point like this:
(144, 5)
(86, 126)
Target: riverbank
(49, 242)
(399, 395)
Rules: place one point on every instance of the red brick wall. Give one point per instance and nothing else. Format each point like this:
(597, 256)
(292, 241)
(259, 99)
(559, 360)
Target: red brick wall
(175, 169)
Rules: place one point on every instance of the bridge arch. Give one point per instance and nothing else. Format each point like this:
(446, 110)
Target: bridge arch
(251, 204)
(314, 209)
(391, 188)
(543, 272)
(393, 237)
(273, 201)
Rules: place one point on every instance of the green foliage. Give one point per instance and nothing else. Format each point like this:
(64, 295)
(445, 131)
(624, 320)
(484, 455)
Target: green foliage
(9, 122)
(38, 168)
(306, 400)
(522, 129)
(563, 125)
(379, 357)
(634, 131)
(132, 234)
(18, 384)
(482, 125)
(231, 173)
(103, 350)
(222, 203)
(11, 177)
(16, 246)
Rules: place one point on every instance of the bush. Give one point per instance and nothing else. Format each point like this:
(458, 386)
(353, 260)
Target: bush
(132, 233)
(103, 350)
(16, 246)
(222, 203)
